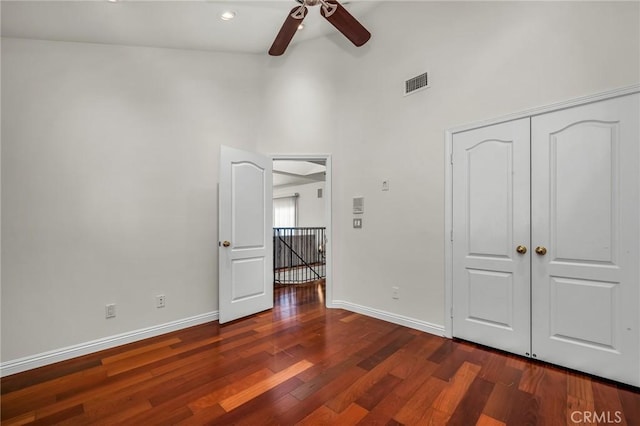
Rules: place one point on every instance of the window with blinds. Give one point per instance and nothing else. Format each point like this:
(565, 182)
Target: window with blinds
(285, 212)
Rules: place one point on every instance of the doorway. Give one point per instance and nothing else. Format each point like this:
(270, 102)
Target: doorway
(245, 231)
(301, 226)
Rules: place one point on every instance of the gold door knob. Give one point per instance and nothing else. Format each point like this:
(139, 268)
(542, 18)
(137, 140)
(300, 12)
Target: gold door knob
(521, 249)
(226, 244)
(541, 250)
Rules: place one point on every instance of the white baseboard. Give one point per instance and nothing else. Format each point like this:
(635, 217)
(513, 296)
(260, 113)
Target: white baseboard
(50, 357)
(46, 358)
(425, 326)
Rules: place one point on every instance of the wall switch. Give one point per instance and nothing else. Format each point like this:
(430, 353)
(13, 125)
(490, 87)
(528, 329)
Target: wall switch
(110, 310)
(160, 301)
(395, 293)
(385, 185)
(357, 223)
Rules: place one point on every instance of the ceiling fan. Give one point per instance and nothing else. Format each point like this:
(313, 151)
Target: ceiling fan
(332, 11)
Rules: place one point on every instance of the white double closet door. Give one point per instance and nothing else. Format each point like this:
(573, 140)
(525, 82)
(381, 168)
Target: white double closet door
(546, 231)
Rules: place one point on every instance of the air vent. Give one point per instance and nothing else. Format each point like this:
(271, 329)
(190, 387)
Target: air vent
(416, 84)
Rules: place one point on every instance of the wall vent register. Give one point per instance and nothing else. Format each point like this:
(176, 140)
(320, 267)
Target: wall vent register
(416, 84)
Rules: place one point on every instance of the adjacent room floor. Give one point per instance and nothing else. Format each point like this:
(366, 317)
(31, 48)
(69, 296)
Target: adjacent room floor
(303, 364)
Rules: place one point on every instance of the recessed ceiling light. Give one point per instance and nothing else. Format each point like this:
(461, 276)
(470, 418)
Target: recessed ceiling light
(228, 15)
(113, 1)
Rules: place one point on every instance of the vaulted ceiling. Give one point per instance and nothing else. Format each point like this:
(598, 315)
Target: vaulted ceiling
(181, 24)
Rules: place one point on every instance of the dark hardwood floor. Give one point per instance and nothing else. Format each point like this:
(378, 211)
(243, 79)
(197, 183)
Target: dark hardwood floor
(304, 364)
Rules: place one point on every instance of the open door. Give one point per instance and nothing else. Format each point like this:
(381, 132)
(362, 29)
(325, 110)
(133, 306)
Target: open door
(245, 250)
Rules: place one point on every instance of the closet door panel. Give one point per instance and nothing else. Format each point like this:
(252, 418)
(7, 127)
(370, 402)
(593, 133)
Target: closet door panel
(491, 218)
(585, 214)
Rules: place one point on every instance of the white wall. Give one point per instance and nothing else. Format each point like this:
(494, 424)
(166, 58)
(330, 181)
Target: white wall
(109, 173)
(109, 154)
(310, 207)
(485, 60)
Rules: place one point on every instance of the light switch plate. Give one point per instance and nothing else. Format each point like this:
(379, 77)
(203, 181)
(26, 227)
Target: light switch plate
(357, 223)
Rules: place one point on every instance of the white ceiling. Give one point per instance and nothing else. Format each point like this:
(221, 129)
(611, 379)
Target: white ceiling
(181, 24)
(296, 167)
(297, 172)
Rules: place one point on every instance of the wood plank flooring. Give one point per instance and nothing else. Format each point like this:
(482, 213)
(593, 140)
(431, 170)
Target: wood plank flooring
(307, 365)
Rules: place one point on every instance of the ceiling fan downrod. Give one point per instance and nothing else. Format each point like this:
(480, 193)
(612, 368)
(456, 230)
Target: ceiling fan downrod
(327, 8)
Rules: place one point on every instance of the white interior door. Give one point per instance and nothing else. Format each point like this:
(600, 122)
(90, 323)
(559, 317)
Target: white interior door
(585, 213)
(491, 211)
(245, 250)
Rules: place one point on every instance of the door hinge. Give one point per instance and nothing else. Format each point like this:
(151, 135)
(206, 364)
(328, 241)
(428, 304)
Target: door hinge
(451, 158)
(452, 235)
(451, 312)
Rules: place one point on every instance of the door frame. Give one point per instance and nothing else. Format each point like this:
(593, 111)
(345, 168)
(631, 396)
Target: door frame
(327, 214)
(448, 179)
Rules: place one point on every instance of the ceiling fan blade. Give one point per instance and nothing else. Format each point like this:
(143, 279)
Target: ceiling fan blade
(345, 23)
(289, 28)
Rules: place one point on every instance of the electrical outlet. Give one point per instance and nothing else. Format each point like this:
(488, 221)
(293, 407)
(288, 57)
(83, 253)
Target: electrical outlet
(395, 293)
(160, 301)
(110, 310)
(385, 185)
